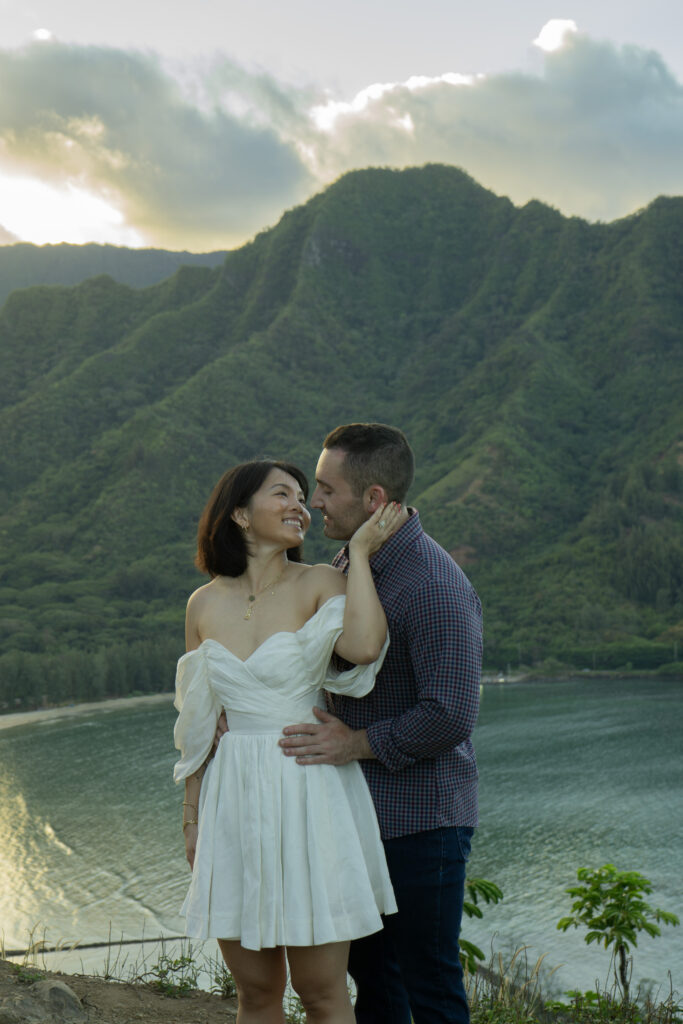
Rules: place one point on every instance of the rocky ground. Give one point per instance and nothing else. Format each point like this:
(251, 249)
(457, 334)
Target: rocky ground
(30, 996)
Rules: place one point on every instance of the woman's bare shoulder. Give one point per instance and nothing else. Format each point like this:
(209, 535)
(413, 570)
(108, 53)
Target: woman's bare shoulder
(320, 570)
(323, 581)
(206, 594)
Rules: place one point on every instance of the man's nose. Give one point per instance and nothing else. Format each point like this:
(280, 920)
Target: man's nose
(316, 501)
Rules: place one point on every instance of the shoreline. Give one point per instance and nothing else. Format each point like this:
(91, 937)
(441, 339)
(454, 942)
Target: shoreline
(14, 719)
(17, 718)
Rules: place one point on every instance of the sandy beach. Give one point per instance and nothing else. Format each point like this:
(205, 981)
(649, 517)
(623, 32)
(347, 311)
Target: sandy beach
(48, 714)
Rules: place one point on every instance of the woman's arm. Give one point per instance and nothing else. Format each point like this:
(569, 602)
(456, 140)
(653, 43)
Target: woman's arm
(365, 625)
(193, 783)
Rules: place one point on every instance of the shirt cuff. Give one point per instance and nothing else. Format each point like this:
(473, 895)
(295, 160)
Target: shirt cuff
(384, 746)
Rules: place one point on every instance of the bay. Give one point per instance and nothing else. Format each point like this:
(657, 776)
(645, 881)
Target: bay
(579, 774)
(575, 773)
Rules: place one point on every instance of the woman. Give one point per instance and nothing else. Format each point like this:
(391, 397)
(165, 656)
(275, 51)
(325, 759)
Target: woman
(283, 857)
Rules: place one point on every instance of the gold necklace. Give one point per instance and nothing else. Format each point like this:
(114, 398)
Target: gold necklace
(253, 598)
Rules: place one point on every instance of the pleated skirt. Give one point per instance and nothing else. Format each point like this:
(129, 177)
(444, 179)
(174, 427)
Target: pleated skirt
(287, 854)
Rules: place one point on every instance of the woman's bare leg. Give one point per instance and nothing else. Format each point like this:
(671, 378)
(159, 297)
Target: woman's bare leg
(319, 978)
(260, 977)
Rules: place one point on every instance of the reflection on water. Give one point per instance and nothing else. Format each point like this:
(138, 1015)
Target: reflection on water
(88, 828)
(572, 774)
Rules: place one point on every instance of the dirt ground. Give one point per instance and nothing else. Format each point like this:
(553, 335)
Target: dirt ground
(26, 999)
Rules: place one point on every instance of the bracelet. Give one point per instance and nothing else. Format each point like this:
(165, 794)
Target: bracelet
(186, 823)
(186, 803)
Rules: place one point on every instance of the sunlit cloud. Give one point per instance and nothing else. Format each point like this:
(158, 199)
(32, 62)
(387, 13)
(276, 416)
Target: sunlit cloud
(41, 213)
(554, 33)
(325, 116)
(7, 237)
(116, 123)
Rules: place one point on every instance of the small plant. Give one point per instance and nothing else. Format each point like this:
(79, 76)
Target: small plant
(294, 1010)
(223, 981)
(606, 1008)
(506, 991)
(489, 893)
(114, 968)
(26, 975)
(173, 977)
(610, 904)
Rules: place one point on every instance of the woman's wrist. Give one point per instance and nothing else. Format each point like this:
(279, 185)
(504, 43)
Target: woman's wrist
(359, 549)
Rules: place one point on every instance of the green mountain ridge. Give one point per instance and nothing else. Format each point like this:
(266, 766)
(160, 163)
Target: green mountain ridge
(23, 265)
(533, 360)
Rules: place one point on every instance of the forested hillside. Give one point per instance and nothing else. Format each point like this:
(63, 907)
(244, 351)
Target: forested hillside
(533, 360)
(23, 265)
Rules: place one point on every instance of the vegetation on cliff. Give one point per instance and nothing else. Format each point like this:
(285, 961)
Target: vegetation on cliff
(533, 360)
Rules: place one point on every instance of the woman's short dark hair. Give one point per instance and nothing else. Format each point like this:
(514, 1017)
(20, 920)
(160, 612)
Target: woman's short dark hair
(375, 454)
(221, 547)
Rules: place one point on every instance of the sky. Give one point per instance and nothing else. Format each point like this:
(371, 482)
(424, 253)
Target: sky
(196, 125)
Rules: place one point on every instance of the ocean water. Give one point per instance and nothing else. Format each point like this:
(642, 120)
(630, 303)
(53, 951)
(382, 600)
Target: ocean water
(572, 774)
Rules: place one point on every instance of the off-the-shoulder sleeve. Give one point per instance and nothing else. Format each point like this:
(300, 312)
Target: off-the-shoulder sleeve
(320, 634)
(357, 680)
(198, 712)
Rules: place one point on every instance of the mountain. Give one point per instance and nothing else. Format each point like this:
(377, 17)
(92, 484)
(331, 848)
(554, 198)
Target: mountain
(23, 265)
(534, 362)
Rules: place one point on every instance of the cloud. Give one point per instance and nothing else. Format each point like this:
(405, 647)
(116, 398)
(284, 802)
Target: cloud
(7, 237)
(41, 213)
(599, 133)
(552, 35)
(326, 115)
(202, 156)
(118, 124)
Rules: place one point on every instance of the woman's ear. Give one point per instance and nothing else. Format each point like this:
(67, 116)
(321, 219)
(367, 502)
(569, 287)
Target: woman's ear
(239, 516)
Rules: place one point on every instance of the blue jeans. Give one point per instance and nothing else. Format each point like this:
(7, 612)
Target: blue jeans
(413, 966)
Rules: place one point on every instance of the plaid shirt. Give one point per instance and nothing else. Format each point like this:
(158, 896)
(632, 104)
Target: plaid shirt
(421, 713)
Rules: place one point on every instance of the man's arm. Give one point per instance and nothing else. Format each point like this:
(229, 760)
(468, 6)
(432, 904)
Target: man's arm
(444, 633)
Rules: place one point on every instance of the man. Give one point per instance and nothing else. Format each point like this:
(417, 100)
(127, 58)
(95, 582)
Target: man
(411, 733)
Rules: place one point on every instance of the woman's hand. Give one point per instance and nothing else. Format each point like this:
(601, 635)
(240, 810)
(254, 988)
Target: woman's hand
(369, 537)
(191, 832)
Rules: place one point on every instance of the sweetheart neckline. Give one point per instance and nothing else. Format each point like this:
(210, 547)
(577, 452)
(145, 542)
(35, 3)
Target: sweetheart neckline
(280, 632)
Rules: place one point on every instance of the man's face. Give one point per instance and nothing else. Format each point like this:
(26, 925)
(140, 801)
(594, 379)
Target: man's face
(343, 511)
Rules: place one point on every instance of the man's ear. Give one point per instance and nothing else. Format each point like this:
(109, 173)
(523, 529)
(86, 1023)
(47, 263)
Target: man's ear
(375, 497)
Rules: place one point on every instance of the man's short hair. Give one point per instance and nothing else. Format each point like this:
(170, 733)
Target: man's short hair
(375, 454)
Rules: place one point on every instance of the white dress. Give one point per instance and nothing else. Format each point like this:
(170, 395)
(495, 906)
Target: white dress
(287, 854)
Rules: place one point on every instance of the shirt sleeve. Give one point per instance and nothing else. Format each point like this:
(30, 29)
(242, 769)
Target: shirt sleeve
(443, 631)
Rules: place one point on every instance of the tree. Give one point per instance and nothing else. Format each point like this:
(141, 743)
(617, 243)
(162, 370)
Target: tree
(610, 904)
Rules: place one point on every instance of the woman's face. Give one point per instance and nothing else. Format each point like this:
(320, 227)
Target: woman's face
(277, 511)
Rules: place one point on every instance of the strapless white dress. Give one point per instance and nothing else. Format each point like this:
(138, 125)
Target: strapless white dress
(287, 854)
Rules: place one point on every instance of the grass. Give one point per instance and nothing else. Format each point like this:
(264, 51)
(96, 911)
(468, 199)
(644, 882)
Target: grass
(511, 992)
(508, 990)
(172, 976)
